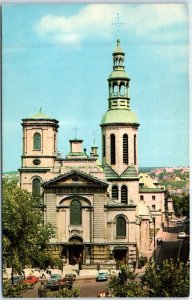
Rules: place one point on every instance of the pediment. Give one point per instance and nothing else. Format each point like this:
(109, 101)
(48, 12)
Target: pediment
(74, 178)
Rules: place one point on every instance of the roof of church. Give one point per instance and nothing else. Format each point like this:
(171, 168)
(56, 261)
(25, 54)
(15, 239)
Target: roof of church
(118, 74)
(109, 172)
(72, 172)
(130, 172)
(119, 116)
(40, 115)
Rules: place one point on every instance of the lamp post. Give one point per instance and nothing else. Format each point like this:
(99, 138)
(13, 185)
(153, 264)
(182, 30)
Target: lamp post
(154, 236)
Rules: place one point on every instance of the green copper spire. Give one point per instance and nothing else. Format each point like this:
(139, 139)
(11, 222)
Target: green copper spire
(119, 109)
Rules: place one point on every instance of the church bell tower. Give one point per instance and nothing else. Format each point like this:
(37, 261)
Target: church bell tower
(119, 124)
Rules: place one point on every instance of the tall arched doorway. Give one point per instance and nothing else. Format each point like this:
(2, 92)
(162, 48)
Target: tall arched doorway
(75, 250)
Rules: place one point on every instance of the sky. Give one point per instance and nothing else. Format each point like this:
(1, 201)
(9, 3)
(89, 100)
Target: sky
(58, 57)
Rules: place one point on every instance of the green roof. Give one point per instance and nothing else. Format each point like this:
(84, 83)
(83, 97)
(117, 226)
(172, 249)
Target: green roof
(130, 172)
(40, 115)
(119, 116)
(77, 154)
(151, 190)
(118, 74)
(109, 172)
(118, 48)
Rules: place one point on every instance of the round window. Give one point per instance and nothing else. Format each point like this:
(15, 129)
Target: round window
(36, 162)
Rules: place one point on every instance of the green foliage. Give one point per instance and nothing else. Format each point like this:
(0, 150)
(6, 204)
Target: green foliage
(64, 293)
(24, 236)
(170, 280)
(124, 285)
(14, 291)
(181, 205)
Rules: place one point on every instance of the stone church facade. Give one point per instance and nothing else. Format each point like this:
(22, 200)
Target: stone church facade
(100, 212)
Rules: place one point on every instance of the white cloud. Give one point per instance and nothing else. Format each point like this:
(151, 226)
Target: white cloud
(158, 16)
(95, 20)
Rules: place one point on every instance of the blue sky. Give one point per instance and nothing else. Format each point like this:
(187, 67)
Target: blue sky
(58, 57)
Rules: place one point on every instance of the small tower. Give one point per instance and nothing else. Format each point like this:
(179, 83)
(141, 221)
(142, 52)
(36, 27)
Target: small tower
(39, 148)
(119, 124)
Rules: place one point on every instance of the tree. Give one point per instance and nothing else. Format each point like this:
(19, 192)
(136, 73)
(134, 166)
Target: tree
(169, 280)
(64, 293)
(125, 285)
(25, 238)
(181, 205)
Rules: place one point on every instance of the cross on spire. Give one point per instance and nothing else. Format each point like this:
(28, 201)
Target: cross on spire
(75, 130)
(118, 23)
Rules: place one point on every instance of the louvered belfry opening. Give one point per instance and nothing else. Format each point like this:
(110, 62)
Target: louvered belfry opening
(125, 149)
(112, 140)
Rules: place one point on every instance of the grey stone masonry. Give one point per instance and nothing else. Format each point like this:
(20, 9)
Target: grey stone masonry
(99, 220)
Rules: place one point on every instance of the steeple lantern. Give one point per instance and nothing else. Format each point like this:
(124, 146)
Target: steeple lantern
(118, 81)
(118, 58)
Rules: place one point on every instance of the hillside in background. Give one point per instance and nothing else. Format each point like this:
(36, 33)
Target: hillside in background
(175, 179)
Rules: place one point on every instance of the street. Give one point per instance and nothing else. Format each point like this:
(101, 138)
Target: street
(173, 247)
(90, 288)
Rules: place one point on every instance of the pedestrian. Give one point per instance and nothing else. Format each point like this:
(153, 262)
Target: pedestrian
(42, 290)
(43, 275)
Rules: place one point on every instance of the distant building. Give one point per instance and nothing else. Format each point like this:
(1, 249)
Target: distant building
(152, 195)
(101, 212)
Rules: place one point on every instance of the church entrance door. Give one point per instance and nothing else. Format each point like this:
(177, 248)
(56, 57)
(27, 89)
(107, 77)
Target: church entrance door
(120, 254)
(75, 250)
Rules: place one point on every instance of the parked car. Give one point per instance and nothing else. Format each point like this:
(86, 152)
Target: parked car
(102, 276)
(17, 279)
(31, 279)
(53, 279)
(187, 221)
(70, 276)
(181, 235)
(63, 283)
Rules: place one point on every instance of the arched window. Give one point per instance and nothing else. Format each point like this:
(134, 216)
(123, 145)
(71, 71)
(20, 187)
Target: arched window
(112, 142)
(75, 213)
(135, 155)
(120, 226)
(124, 194)
(103, 145)
(122, 90)
(36, 187)
(37, 141)
(115, 192)
(125, 149)
(115, 90)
